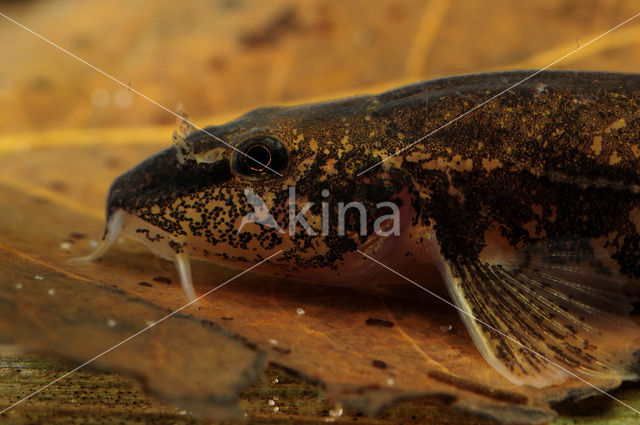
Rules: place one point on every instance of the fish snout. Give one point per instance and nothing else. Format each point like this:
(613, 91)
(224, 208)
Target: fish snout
(144, 183)
(164, 178)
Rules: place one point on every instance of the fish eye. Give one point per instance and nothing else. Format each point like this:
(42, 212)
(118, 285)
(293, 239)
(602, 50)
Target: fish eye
(260, 157)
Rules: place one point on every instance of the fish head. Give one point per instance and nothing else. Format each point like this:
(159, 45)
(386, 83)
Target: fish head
(274, 179)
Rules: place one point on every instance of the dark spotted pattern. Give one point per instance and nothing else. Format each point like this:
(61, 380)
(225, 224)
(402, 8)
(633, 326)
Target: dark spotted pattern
(556, 157)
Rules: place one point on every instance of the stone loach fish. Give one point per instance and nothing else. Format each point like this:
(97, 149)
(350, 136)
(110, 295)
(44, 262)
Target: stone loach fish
(529, 207)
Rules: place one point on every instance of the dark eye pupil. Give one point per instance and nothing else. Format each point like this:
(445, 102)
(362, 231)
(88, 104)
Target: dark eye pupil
(258, 157)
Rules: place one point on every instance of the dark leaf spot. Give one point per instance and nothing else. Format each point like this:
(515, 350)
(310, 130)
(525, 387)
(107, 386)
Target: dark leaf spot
(162, 279)
(379, 323)
(379, 364)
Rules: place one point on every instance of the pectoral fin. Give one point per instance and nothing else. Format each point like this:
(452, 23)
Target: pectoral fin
(561, 300)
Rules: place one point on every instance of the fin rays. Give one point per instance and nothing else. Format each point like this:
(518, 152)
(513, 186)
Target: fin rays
(558, 300)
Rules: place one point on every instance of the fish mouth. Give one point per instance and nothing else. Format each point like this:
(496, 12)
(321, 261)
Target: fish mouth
(114, 228)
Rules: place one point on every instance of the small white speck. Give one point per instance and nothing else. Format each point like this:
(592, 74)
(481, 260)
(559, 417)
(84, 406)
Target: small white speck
(447, 328)
(391, 382)
(300, 311)
(52, 291)
(183, 412)
(123, 99)
(275, 381)
(273, 341)
(272, 403)
(149, 323)
(111, 323)
(329, 419)
(276, 409)
(335, 412)
(18, 286)
(38, 277)
(93, 244)
(65, 246)
(100, 98)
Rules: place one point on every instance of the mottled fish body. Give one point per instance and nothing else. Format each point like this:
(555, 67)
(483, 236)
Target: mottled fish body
(529, 207)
